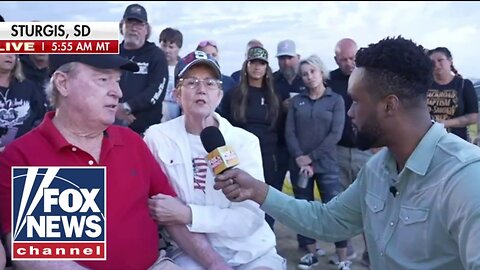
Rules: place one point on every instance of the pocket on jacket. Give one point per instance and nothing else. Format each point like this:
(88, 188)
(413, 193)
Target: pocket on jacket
(374, 203)
(413, 221)
(170, 158)
(375, 215)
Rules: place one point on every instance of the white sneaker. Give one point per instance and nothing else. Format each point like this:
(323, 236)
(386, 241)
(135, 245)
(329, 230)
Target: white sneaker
(334, 258)
(344, 265)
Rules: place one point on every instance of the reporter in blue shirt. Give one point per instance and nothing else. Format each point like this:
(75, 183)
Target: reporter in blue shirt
(417, 199)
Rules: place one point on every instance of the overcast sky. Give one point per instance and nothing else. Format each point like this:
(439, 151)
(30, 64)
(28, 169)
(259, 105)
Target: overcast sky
(314, 26)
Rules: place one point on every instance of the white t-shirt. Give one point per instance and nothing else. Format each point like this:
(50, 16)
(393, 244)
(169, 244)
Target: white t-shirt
(202, 174)
(170, 107)
(169, 97)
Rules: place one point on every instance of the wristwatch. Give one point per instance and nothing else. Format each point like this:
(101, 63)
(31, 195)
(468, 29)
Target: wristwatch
(127, 108)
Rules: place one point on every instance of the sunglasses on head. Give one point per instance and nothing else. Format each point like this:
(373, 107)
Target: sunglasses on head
(205, 43)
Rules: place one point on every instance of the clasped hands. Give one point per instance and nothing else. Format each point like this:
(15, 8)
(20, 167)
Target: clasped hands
(168, 210)
(304, 162)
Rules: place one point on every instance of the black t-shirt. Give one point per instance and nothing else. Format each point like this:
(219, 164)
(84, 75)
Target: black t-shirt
(452, 100)
(286, 90)
(256, 116)
(283, 88)
(21, 109)
(339, 83)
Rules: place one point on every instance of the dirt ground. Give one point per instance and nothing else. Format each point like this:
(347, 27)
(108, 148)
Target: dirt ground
(288, 248)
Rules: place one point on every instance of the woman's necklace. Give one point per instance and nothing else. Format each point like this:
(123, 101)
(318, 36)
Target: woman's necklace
(4, 97)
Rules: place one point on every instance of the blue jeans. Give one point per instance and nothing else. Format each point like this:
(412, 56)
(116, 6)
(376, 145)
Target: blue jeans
(328, 186)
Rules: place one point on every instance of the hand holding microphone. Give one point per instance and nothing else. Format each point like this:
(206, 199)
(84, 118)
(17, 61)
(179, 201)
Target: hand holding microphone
(236, 184)
(239, 186)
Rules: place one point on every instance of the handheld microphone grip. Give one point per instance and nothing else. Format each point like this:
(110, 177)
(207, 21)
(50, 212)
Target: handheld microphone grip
(220, 157)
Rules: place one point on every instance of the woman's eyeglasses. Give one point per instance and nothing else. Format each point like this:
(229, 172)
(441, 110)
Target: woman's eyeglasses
(194, 83)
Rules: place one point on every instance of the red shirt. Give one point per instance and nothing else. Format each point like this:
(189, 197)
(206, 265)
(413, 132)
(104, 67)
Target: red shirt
(133, 176)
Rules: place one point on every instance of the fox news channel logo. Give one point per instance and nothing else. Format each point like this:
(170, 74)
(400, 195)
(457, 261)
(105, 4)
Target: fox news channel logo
(58, 213)
(59, 38)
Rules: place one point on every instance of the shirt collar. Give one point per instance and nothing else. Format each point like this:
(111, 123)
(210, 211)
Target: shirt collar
(420, 159)
(56, 139)
(279, 76)
(328, 92)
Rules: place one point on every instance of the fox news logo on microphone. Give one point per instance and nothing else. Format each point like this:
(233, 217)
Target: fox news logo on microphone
(221, 159)
(58, 213)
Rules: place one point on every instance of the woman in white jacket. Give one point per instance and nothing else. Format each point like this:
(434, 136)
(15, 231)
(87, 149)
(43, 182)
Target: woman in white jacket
(237, 231)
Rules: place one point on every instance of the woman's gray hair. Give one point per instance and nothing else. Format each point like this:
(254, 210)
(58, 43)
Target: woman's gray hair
(315, 61)
(51, 90)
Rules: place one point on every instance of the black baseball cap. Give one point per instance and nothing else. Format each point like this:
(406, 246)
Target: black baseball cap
(135, 11)
(103, 61)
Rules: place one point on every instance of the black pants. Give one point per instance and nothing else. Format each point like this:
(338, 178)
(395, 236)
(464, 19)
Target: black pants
(329, 186)
(275, 166)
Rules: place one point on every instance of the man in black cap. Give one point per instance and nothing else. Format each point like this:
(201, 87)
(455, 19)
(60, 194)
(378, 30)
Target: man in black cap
(144, 90)
(85, 93)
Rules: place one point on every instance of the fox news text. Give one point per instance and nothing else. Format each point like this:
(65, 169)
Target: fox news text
(59, 213)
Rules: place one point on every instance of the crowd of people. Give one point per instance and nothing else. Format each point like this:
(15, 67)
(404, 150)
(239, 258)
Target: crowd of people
(383, 137)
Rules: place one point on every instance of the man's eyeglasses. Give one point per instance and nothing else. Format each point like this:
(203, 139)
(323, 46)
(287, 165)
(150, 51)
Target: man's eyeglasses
(205, 43)
(194, 83)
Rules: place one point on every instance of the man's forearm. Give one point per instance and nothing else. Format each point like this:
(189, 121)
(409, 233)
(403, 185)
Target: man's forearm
(195, 245)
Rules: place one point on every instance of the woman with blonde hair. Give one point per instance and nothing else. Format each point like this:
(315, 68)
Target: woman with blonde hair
(314, 126)
(21, 107)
